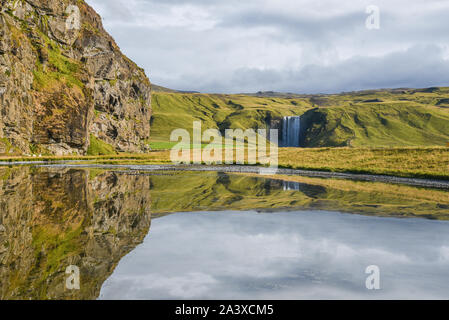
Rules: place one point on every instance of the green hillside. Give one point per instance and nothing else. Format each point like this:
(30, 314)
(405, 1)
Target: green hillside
(377, 118)
(389, 124)
(179, 110)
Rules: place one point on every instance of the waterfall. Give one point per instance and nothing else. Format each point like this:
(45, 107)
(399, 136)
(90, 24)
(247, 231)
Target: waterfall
(291, 127)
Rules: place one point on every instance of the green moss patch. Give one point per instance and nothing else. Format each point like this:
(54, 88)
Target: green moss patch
(98, 147)
(59, 68)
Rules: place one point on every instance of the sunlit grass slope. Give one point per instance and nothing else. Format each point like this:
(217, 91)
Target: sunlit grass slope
(384, 125)
(423, 162)
(404, 162)
(383, 118)
(178, 110)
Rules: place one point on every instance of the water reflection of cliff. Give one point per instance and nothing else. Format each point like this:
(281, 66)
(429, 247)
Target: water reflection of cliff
(52, 219)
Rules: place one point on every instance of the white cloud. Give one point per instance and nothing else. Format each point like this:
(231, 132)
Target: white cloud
(236, 46)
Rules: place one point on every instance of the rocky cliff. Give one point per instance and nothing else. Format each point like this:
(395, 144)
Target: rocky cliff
(64, 82)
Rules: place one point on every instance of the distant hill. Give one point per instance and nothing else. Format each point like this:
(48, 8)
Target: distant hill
(370, 118)
(290, 95)
(156, 88)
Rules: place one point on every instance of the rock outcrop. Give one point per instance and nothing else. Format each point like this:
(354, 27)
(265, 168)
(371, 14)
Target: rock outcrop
(64, 82)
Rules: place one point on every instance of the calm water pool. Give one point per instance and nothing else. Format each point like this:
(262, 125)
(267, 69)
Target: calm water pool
(285, 255)
(212, 235)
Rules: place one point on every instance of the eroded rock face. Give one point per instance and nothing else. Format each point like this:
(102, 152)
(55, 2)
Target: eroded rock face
(63, 79)
(53, 219)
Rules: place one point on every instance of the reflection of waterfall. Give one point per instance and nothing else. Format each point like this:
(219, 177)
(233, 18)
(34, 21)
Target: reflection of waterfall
(291, 127)
(291, 185)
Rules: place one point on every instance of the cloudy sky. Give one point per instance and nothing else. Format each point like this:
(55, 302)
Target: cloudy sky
(303, 46)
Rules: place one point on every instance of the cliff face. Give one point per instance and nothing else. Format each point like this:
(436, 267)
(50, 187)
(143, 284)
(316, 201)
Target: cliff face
(64, 82)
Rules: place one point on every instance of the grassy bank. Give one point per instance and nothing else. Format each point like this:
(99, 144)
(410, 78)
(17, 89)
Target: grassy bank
(430, 163)
(152, 157)
(402, 162)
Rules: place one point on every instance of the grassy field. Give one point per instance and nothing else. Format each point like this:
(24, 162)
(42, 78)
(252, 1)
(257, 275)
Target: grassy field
(384, 118)
(152, 157)
(402, 162)
(178, 110)
(403, 132)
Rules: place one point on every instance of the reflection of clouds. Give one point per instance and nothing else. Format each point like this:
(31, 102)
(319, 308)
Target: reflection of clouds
(290, 255)
(444, 254)
(390, 257)
(184, 286)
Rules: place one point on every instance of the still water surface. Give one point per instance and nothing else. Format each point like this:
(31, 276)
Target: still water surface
(294, 255)
(211, 235)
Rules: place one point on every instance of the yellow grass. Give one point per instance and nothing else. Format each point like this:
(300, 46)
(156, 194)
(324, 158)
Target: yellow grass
(402, 162)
